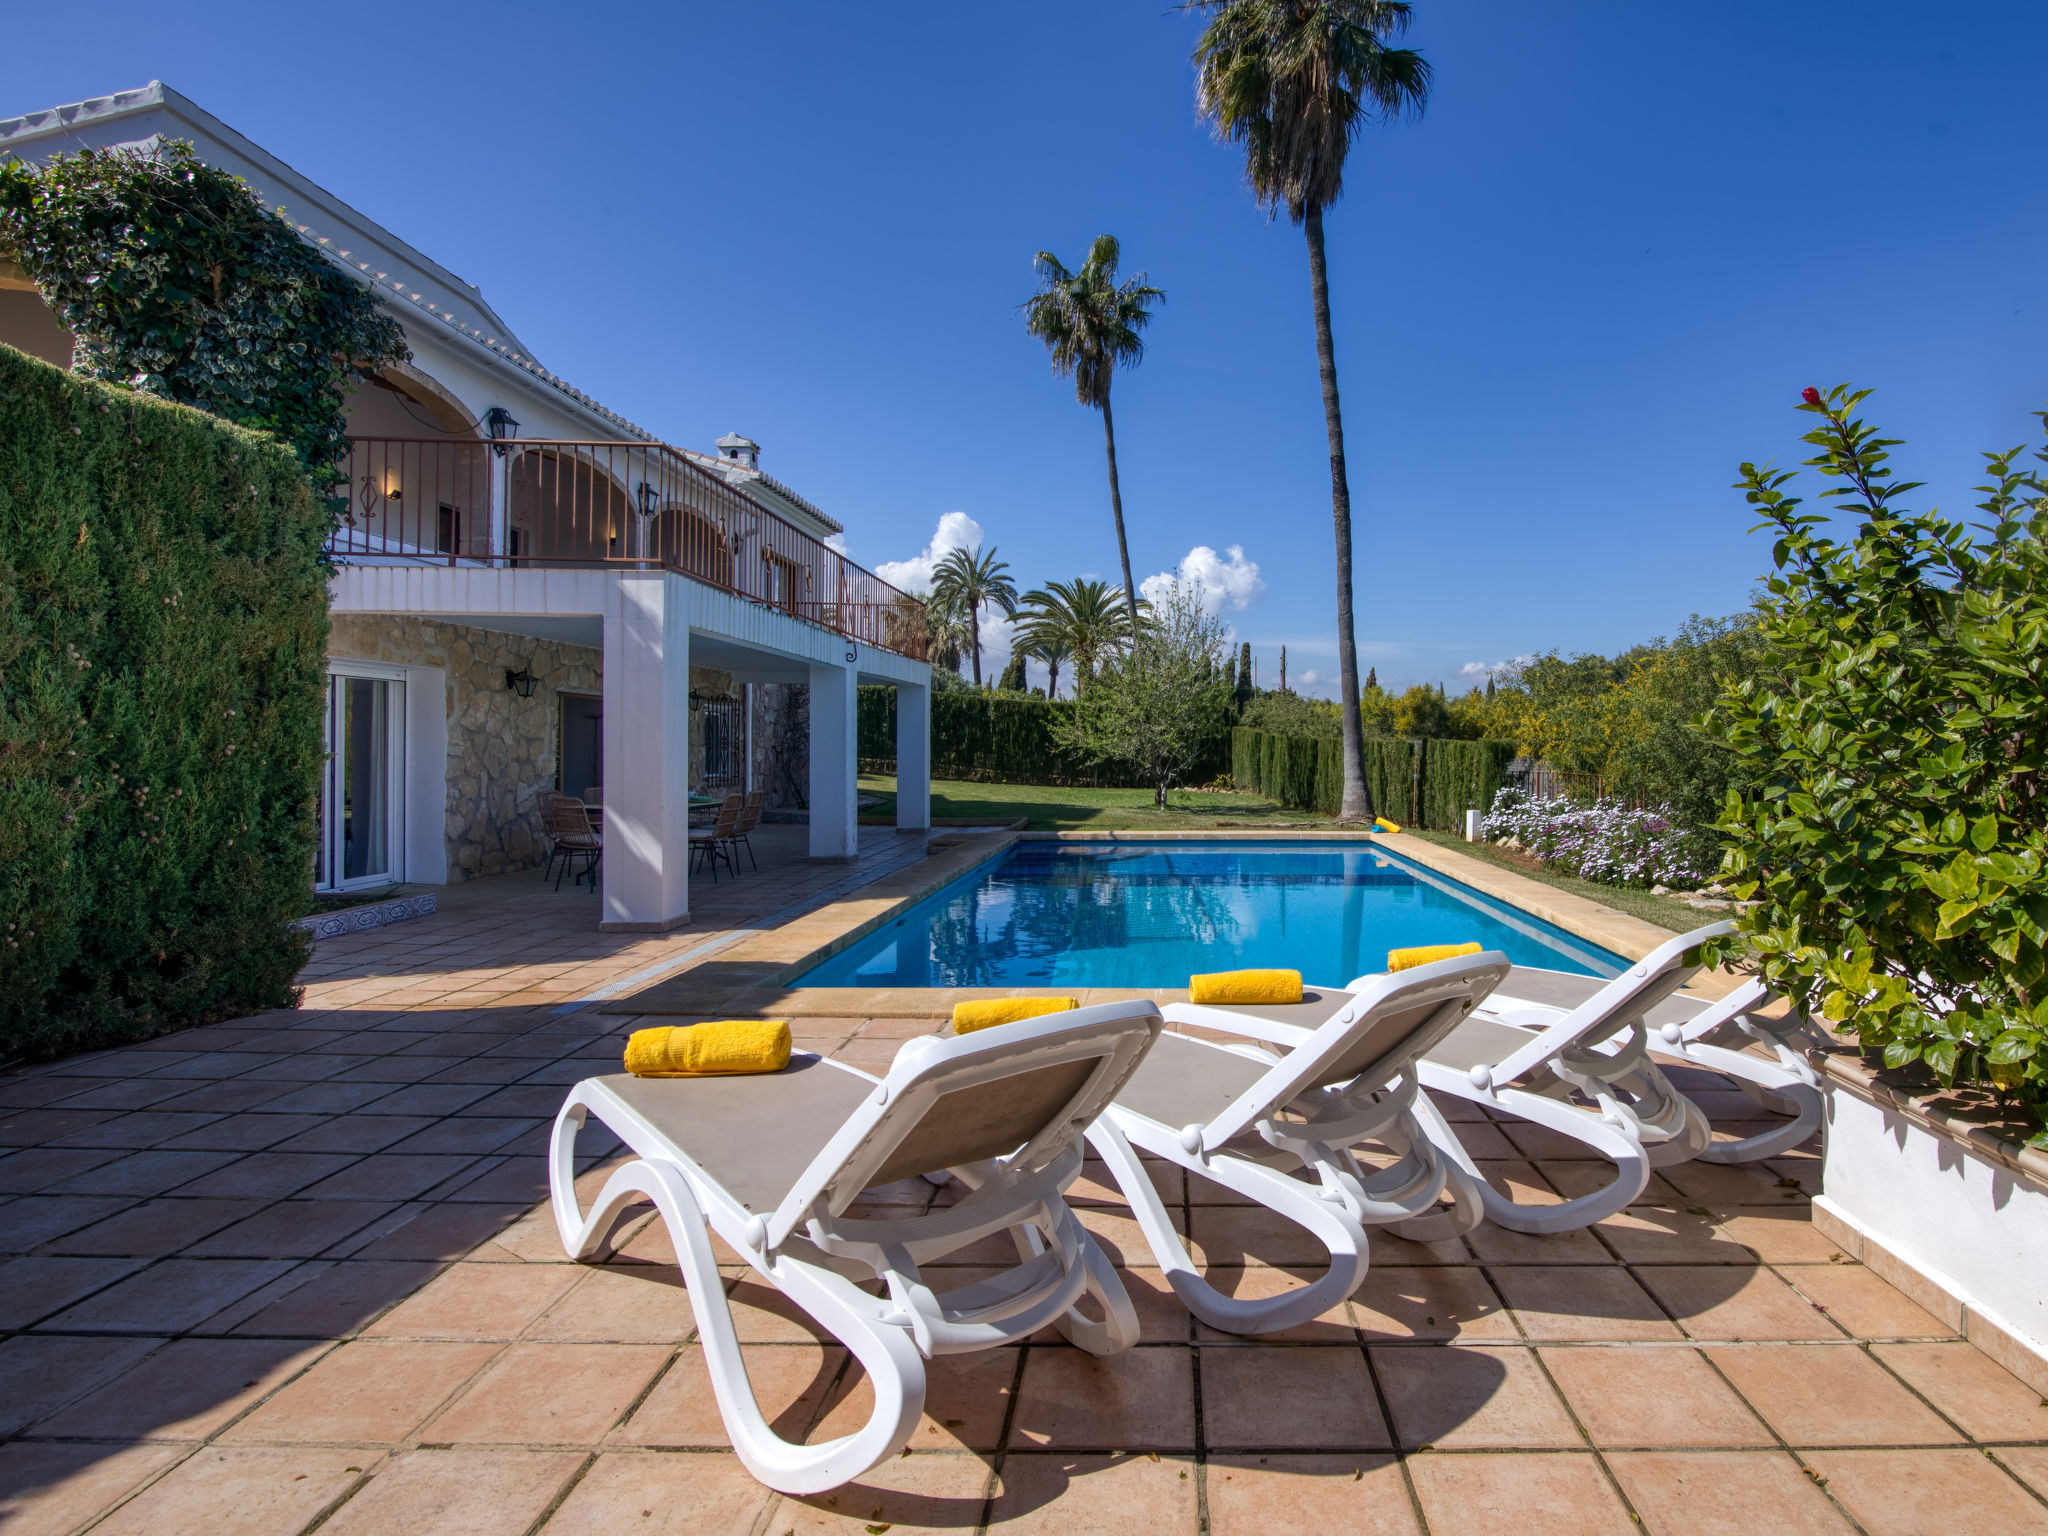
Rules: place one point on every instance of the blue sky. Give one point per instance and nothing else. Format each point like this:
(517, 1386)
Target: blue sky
(1567, 302)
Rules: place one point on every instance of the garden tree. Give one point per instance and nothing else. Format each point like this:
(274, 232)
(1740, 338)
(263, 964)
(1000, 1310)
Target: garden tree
(1293, 82)
(1054, 652)
(946, 634)
(1421, 711)
(179, 283)
(1090, 323)
(1289, 714)
(1376, 710)
(1897, 838)
(967, 581)
(1012, 679)
(1372, 677)
(1470, 718)
(1087, 617)
(1242, 693)
(1159, 706)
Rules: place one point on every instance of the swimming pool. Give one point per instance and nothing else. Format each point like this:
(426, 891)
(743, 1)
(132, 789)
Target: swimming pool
(1132, 914)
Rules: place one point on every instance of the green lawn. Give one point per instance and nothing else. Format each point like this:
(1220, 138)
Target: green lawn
(1049, 809)
(1661, 910)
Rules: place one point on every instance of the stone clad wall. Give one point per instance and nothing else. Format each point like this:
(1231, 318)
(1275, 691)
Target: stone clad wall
(501, 748)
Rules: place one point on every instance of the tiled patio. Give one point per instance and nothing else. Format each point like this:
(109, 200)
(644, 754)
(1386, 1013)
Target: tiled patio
(292, 1271)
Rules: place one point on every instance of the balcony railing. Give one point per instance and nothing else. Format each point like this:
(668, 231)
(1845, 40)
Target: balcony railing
(645, 506)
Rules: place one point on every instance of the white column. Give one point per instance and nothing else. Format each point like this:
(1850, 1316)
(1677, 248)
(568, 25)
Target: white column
(646, 753)
(913, 756)
(834, 793)
(501, 505)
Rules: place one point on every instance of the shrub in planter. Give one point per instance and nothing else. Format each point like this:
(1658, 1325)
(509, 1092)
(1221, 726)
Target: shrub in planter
(1601, 840)
(1897, 841)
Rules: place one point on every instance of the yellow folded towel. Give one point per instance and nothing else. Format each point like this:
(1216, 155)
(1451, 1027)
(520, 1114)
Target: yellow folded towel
(728, 1048)
(1245, 987)
(1381, 824)
(1423, 954)
(991, 1011)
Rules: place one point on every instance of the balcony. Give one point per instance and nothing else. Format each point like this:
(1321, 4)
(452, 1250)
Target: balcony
(619, 505)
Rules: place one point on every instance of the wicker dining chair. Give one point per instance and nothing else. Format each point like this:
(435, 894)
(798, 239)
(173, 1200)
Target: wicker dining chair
(570, 835)
(750, 818)
(714, 842)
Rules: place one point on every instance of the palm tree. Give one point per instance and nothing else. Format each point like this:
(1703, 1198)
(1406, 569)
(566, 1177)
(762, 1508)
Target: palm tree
(946, 634)
(966, 581)
(1053, 652)
(1090, 324)
(1088, 618)
(1292, 82)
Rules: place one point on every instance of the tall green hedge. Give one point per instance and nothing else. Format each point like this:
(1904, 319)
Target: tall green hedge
(1426, 783)
(163, 618)
(997, 738)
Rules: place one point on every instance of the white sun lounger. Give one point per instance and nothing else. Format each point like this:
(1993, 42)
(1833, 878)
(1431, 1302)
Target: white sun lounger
(1278, 1127)
(771, 1163)
(1711, 1036)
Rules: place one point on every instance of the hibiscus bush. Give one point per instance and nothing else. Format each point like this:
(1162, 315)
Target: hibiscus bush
(1896, 838)
(1600, 840)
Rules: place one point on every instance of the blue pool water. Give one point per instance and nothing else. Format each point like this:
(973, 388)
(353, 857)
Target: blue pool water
(1152, 914)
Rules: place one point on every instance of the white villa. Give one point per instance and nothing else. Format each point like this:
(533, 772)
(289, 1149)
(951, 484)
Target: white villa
(533, 593)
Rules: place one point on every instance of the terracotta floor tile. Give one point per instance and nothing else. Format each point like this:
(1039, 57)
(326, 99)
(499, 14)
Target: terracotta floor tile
(1723, 1493)
(1603, 1303)
(1528, 1495)
(243, 1491)
(907, 1494)
(32, 1221)
(465, 1133)
(34, 1127)
(333, 1301)
(1628, 1395)
(321, 1098)
(1782, 1234)
(387, 1176)
(1140, 1400)
(372, 1391)
(514, 1179)
(143, 1173)
(171, 1296)
(1432, 1302)
(244, 1132)
(1726, 1183)
(1245, 1234)
(358, 1133)
(1648, 1234)
(185, 1391)
(2030, 1463)
(1286, 1397)
(1829, 1395)
(33, 1288)
(966, 1400)
(147, 1128)
(456, 1493)
(655, 1495)
(1575, 1179)
(51, 1490)
(621, 1304)
(763, 1315)
(1498, 1245)
(1458, 1397)
(479, 1301)
(1869, 1307)
(39, 1373)
(1541, 1142)
(1358, 1495)
(155, 1228)
(1094, 1496)
(1910, 1493)
(549, 1394)
(1334, 1325)
(292, 1229)
(789, 1381)
(1722, 1301)
(1966, 1384)
(441, 1231)
(25, 1172)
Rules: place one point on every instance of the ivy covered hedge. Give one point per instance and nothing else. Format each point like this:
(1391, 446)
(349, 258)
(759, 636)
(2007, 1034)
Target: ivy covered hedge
(998, 738)
(1426, 783)
(163, 618)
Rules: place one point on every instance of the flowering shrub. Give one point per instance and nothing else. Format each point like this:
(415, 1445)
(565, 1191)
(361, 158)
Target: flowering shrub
(1603, 840)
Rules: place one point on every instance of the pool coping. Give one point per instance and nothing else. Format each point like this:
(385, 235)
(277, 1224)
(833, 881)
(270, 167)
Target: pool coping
(749, 979)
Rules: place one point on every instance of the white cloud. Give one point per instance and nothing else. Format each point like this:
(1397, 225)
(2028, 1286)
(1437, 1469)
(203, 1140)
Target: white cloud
(837, 541)
(1480, 670)
(1310, 678)
(1232, 583)
(956, 530)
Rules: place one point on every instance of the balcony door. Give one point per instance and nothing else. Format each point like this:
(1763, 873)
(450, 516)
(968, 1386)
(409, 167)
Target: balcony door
(361, 804)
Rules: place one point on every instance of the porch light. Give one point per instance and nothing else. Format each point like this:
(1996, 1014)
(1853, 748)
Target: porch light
(650, 500)
(521, 682)
(502, 428)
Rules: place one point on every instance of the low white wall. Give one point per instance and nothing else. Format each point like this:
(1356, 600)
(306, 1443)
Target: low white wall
(1962, 1233)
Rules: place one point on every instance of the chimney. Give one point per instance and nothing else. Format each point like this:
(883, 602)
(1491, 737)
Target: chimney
(743, 452)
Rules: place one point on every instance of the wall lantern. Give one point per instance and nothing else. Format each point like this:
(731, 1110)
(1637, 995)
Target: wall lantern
(502, 428)
(521, 682)
(650, 500)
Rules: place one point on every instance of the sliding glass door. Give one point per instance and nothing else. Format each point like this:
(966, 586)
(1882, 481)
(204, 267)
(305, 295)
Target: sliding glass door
(360, 799)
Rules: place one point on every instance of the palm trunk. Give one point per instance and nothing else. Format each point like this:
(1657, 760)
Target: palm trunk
(1052, 679)
(974, 629)
(1356, 804)
(1116, 510)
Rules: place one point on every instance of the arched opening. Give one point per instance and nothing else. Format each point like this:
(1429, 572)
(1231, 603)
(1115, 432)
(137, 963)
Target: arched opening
(566, 508)
(419, 474)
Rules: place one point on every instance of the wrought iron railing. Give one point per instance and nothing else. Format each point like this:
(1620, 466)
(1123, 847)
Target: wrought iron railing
(528, 502)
